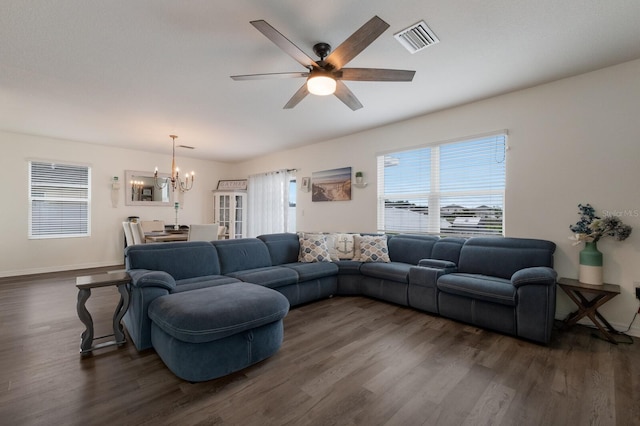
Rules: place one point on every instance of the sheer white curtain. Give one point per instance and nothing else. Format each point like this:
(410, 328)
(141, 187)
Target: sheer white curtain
(268, 203)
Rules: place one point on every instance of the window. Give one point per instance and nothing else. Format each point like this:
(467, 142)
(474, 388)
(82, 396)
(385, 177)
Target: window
(453, 188)
(269, 202)
(59, 200)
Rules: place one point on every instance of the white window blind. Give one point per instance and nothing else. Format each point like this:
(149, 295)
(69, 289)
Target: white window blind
(453, 188)
(59, 200)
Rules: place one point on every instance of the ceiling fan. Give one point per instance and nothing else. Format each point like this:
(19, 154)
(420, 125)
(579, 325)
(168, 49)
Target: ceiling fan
(324, 77)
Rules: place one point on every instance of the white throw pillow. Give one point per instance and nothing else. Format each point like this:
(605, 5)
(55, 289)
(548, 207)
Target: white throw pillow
(342, 246)
(357, 239)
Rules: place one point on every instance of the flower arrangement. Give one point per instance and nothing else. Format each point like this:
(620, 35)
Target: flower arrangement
(591, 228)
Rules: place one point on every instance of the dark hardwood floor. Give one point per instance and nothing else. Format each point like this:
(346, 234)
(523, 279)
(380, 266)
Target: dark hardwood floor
(344, 361)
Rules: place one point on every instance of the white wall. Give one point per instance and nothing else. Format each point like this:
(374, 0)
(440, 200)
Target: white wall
(19, 255)
(572, 141)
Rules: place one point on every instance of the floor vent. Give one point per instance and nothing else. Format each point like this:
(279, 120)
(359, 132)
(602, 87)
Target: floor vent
(416, 37)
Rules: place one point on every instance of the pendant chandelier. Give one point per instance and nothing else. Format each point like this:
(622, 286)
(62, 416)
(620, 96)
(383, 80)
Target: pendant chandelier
(174, 180)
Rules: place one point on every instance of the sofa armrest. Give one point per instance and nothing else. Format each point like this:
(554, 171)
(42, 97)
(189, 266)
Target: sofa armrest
(145, 278)
(426, 276)
(423, 290)
(440, 264)
(539, 275)
(536, 308)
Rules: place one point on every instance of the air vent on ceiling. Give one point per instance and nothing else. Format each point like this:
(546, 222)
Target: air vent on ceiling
(416, 37)
(185, 146)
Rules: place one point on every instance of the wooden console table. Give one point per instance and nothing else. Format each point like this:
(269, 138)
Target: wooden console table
(85, 284)
(577, 291)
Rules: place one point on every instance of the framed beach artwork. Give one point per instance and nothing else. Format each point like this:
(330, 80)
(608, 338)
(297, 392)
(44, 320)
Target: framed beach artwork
(331, 185)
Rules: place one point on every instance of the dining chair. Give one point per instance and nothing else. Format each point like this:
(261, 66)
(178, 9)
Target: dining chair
(128, 236)
(221, 231)
(204, 232)
(138, 233)
(152, 226)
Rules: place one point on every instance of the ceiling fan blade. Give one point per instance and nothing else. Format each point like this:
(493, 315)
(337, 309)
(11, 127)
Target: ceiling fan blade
(297, 97)
(270, 76)
(374, 74)
(284, 43)
(345, 95)
(357, 42)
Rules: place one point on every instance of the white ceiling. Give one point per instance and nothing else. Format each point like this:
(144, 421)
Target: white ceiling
(129, 73)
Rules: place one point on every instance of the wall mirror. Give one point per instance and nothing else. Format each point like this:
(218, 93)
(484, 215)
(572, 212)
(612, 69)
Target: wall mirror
(142, 191)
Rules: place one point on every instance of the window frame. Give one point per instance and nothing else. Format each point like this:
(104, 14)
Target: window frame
(62, 193)
(434, 200)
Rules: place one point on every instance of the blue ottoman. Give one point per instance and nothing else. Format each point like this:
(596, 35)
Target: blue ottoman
(211, 332)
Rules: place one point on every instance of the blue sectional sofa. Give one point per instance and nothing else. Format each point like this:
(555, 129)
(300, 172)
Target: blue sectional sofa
(503, 284)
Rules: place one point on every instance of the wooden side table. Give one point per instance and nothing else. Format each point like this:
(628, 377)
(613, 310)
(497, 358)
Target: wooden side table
(577, 291)
(85, 284)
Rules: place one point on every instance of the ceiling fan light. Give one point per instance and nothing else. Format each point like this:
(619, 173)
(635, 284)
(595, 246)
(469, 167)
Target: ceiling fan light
(321, 85)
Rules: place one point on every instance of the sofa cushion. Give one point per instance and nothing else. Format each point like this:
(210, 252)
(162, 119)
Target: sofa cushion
(283, 247)
(348, 267)
(483, 287)
(242, 254)
(411, 248)
(180, 260)
(393, 271)
(374, 249)
(312, 271)
(270, 276)
(202, 282)
(213, 313)
(502, 257)
(448, 248)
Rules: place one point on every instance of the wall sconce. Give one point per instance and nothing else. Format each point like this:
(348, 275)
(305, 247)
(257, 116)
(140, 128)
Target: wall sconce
(115, 191)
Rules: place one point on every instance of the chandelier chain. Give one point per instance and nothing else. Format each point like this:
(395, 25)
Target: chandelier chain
(174, 180)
